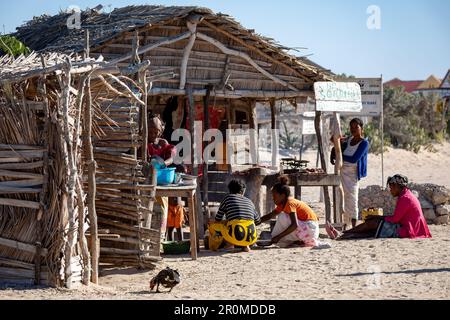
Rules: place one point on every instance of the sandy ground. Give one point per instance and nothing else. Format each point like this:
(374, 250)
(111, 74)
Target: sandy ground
(364, 269)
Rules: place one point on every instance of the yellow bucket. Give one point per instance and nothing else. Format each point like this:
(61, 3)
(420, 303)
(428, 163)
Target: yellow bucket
(371, 212)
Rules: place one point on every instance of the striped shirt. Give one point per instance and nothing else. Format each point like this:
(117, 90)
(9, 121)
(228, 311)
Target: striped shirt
(237, 207)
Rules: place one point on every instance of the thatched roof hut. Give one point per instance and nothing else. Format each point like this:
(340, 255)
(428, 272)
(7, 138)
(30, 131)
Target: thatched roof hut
(195, 52)
(201, 60)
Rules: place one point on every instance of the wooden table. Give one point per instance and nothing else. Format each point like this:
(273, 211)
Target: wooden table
(189, 193)
(300, 180)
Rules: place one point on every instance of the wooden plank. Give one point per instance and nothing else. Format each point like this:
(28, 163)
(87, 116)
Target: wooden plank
(115, 158)
(22, 183)
(19, 147)
(16, 263)
(126, 252)
(122, 186)
(13, 190)
(39, 153)
(19, 203)
(19, 174)
(22, 166)
(317, 180)
(133, 241)
(13, 273)
(22, 246)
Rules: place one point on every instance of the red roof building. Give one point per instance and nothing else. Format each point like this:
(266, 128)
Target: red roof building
(409, 86)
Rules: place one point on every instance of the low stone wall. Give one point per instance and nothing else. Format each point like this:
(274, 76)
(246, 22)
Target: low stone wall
(434, 200)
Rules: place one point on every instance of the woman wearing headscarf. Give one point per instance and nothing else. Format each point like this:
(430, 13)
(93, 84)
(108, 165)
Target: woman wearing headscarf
(407, 221)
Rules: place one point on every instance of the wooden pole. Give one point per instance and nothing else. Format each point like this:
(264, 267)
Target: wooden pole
(338, 193)
(72, 173)
(86, 44)
(205, 180)
(253, 133)
(274, 134)
(43, 196)
(317, 123)
(89, 154)
(86, 276)
(194, 146)
(144, 117)
(382, 133)
(192, 26)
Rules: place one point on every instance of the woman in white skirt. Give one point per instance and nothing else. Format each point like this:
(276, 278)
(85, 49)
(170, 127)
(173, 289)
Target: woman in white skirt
(354, 153)
(296, 223)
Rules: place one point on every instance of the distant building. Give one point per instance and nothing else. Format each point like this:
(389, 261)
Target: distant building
(446, 81)
(429, 86)
(431, 83)
(409, 86)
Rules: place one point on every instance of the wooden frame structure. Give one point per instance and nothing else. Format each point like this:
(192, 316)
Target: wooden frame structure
(134, 60)
(69, 164)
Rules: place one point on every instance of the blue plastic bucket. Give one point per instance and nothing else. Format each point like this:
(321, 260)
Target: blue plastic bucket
(165, 176)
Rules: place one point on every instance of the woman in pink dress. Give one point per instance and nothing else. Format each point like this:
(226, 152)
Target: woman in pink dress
(407, 221)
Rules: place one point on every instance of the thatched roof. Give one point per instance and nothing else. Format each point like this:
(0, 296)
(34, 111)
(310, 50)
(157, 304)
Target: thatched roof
(50, 33)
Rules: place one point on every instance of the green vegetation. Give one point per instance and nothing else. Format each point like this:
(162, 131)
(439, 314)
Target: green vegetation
(11, 46)
(411, 121)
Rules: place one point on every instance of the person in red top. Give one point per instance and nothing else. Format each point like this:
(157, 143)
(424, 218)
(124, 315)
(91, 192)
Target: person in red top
(163, 151)
(158, 147)
(407, 221)
(296, 221)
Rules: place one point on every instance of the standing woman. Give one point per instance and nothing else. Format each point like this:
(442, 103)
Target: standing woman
(354, 153)
(158, 147)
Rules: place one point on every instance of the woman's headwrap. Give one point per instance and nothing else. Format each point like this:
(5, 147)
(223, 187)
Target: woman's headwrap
(399, 179)
(155, 122)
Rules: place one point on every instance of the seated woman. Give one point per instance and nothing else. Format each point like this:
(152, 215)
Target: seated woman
(296, 221)
(407, 221)
(240, 215)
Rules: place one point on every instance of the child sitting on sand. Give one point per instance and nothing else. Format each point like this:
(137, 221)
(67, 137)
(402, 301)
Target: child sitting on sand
(175, 218)
(296, 221)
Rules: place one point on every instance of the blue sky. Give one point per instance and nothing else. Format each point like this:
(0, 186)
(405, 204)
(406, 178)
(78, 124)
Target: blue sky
(413, 42)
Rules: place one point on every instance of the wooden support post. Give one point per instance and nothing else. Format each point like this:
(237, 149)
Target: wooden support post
(205, 181)
(86, 45)
(135, 48)
(144, 116)
(193, 224)
(197, 207)
(338, 193)
(43, 195)
(326, 194)
(71, 171)
(89, 154)
(274, 134)
(192, 26)
(253, 133)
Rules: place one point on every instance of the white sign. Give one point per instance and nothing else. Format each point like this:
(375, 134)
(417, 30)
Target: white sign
(308, 126)
(338, 96)
(371, 96)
